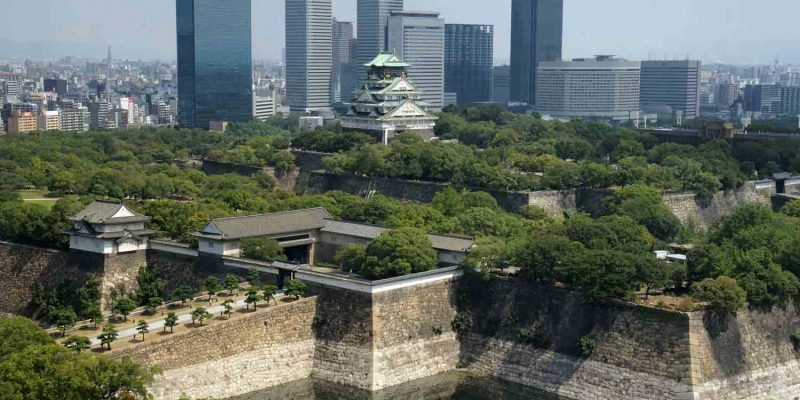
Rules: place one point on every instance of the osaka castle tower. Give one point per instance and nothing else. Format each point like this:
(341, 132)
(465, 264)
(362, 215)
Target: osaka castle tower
(387, 103)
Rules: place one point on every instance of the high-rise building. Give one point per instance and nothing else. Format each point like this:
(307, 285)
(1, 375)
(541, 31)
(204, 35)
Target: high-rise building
(215, 81)
(790, 100)
(602, 87)
(49, 120)
(10, 88)
(726, 93)
(536, 36)
(22, 122)
(501, 84)
(418, 39)
(74, 119)
(468, 60)
(264, 106)
(674, 84)
(308, 54)
(342, 41)
(100, 115)
(373, 18)
(55, 85)
(765, 99)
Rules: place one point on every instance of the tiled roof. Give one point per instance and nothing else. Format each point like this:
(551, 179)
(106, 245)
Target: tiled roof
(387, 59)
(365, 231)
(265, 225)
(99, 212)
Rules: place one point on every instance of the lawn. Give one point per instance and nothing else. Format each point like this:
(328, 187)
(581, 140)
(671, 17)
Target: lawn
(37, 196)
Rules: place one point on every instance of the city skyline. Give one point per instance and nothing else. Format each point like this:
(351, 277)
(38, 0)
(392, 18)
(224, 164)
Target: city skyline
(711, 31)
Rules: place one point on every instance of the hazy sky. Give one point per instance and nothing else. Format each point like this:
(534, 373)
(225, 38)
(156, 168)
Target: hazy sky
(735, 31)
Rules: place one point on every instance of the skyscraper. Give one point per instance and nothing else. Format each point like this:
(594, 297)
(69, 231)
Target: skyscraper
(215, 81)
(342, 38)
(468, 59)
(536, 35)
(418, 39)
(673, 84)
(308, 54)
(373, 17)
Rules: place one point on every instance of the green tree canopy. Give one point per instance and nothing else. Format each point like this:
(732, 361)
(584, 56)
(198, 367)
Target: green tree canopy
(398, 252)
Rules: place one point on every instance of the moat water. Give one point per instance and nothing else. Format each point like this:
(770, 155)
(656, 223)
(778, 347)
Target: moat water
(449, 386)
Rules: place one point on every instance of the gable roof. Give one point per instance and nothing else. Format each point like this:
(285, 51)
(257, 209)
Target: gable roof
(386, 59)
(370, 232)
(408, 109)
(265, 225)
(106, 212)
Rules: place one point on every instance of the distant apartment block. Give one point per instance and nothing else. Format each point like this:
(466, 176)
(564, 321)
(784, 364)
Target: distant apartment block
(468, 58)
(49, 120)
(74, 119)
(263, 107)
(603, 87)
(22, 122)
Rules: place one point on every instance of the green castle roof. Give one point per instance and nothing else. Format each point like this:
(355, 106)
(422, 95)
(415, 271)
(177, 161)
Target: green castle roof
(387, 59)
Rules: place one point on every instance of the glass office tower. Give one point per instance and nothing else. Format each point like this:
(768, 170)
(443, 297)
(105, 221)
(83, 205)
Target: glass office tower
(215, 81)
(536, 34)
(373, 17)
(468, 60)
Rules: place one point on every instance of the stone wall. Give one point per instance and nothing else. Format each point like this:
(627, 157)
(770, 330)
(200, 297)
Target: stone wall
(640, 353)
(119, 273)
(413, 334)
(22, 267)
(703, 213)
(267, 348)
(414, 191)
(751, 357)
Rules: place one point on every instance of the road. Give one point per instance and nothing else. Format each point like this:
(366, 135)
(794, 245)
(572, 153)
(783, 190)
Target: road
(155, 326)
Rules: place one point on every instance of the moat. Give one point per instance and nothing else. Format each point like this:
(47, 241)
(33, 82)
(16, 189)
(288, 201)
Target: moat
(448, 386)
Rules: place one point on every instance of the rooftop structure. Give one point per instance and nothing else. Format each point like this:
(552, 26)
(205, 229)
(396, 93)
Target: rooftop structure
(389, 103)
(309, 235)
(108, 228)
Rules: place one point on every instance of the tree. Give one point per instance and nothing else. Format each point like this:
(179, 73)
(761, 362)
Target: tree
(252, 298)
(351, 257)
(200, 314)
(183, 293)
(108, 336)
(652, 273)
(399, 252)
(152, 304)
(541, 259)
(77, 343)
(228, 308)
(296, 288)
(645, 206)
(124, 306)
(262, 249)
(65, 319)
(723, 295)
(269, 293)
(43, 370)
(603, 274)
(170, 321)
(253, 277)
(212, 286)
(142, 327)
(231, 283)
(94, 313)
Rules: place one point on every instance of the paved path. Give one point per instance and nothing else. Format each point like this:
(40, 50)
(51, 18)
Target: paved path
(157, 325)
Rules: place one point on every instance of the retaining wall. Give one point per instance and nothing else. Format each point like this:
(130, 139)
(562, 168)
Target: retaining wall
(267, 348)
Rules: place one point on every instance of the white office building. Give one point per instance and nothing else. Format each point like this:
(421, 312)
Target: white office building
(417, 37)
(603, 87)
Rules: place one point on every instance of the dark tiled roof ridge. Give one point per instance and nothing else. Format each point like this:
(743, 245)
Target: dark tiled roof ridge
(270, 214)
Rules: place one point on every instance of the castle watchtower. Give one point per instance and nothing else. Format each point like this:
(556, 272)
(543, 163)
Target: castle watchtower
(111, 240)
